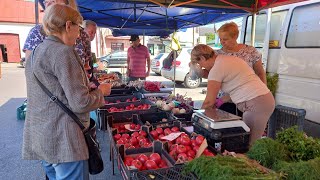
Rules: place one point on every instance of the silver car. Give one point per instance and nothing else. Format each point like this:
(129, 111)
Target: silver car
(156, 63)
(182, 68)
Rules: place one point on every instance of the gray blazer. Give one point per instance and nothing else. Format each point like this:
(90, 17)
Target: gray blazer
(50, 134)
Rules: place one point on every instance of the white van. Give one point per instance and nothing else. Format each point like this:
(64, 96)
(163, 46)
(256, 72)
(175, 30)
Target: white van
(289, 39)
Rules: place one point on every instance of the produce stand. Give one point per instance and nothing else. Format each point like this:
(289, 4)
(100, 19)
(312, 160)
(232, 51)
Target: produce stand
(157, 127)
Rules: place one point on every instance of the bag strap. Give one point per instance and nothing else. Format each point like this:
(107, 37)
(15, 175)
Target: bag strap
(57, 101)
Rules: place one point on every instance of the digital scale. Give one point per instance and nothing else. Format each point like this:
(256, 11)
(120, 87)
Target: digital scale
(216, 119)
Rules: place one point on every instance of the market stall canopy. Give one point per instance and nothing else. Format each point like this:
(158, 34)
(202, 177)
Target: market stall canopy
(162, 17)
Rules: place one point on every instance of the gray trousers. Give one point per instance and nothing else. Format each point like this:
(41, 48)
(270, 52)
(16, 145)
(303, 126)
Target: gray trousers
(256, 113)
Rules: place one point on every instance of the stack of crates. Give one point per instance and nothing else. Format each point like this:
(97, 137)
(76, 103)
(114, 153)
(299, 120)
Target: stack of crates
(285, 117)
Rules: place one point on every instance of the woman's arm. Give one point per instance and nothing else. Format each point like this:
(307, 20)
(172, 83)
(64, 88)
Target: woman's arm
(212, 91)
(258, 69)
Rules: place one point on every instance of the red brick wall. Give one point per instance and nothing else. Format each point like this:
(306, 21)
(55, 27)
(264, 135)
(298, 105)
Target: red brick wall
(18, 11)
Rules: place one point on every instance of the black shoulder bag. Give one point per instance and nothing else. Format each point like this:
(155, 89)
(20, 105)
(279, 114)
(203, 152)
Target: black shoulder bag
(95, 160)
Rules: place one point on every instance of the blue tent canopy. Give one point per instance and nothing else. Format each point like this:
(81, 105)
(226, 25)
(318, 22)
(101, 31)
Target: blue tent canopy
(147, 18)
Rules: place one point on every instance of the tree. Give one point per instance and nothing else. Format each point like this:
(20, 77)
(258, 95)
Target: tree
(209, 36)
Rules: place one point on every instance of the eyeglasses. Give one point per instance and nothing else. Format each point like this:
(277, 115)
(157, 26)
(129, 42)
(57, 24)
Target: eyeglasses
(49, 1)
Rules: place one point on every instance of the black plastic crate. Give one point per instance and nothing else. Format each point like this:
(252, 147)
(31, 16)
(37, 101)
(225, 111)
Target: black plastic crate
(230, 139)
(174, 173)
(130, 173)
(123, 99)
(123, 91)
(285, 117)
(155, 119)
(103, 112)
(185, 116)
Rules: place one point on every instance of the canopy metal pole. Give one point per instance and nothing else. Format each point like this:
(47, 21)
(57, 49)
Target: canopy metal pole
(253, 29)
(174, 70)
(36, 9)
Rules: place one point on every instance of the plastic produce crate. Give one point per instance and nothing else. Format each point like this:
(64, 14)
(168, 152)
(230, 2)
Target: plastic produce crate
(130, 173)
(230, 139)
(185, 116)
(155, 119)
(22, 110)
(122, 91)
(174, 173)
(285, 117)
(123, 98)
(103, 112)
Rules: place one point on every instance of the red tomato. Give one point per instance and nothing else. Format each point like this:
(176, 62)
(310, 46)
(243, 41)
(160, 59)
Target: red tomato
(188, 148)
(191, 153)
(178, 140)
(128, 160)
(183, 157)
(199, 139)
(137, 127)
(181, 149)
(134, 141)
(139, 138)
(120, 141)
(128, 100)
(196, 148)
(173, 154)
(117, 137)
(135, 134)
(159, 130)
(132, 125)
(167, 131)
(155, 157)
(185, 140)
(150, 164)
(175, 129)
(173, 147)
(126, 136)
(143, 133)
(193, 142)
(154, 134)
(136, 163)
(142, 158)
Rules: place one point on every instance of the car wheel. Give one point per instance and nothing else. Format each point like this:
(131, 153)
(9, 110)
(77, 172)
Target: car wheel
(159, 74)
(105, 64)
(190, 83)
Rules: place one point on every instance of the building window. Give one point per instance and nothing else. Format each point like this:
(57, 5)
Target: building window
(304, 27)
(117, 47)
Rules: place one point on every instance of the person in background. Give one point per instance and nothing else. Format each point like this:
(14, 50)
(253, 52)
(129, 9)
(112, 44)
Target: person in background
(37, 35)
(233, 76)
(50, 134)
(228, 34)
(138, 57)
(90, 27)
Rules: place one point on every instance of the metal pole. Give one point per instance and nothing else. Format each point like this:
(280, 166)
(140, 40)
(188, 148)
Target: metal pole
(36, 9)
(253, 29)
(174, 72)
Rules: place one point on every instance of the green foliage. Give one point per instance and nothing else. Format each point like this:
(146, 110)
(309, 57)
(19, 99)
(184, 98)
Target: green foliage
(225, 167)
(267, 152)
(272, 82)
(209, 36)
(299, 146)
(302, 170)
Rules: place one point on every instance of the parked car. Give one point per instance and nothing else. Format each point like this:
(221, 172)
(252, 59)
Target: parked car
(182, 68)
(115, 59)
(23, 62)
(156, 63)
